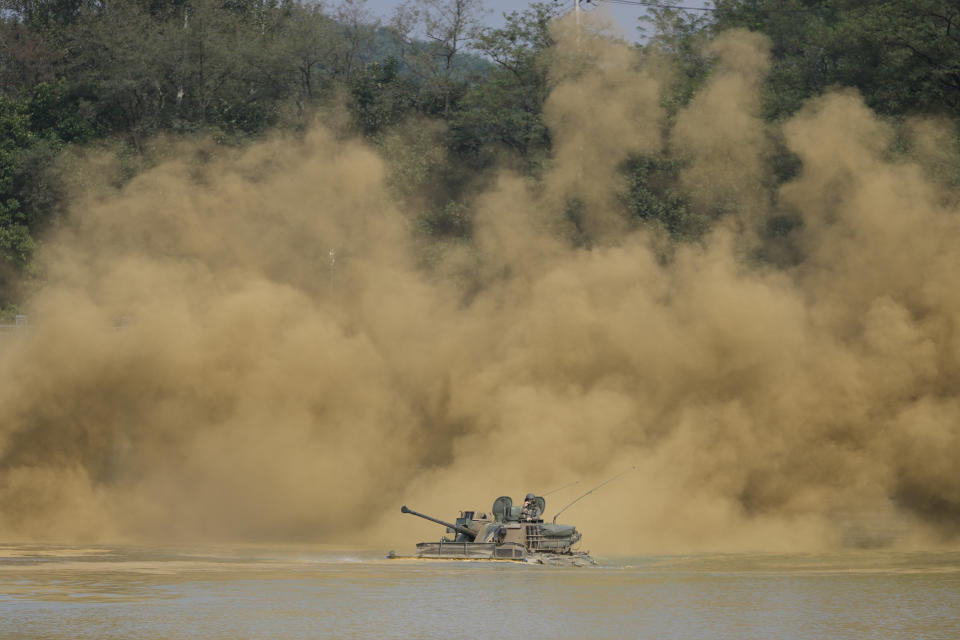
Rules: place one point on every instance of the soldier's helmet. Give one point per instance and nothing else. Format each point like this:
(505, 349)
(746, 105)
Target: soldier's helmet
(530, 497)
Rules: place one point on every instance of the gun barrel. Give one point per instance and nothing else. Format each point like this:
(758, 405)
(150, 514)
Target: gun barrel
(449, 525)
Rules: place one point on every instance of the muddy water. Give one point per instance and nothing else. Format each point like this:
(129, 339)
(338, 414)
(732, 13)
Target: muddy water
(140, 592)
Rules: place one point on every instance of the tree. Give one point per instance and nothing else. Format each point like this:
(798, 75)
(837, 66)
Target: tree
(27, 193)
(677, 38)
(505, 110)
(15, 137)
(903, 55)
(312, 40)
(653, 197)
(42, 15)
(381, 96)
(448, 26)
(358, 28)
(116, 56)
(914, 46)
(25, 59)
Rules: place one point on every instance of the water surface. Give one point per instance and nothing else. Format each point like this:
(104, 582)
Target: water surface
(143, 592)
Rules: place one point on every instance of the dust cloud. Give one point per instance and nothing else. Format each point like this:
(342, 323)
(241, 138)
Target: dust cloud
(244, 345)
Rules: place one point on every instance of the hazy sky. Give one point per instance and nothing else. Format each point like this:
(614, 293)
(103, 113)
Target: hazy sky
(626, 16)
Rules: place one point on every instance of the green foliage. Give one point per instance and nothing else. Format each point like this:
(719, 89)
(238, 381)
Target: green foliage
(15, 138)
(8, 312)
(505, 112)
(29, 191)
(15, 134)
(414, 157)
(677, 37)
(16, 245)
(380, 96)
(448, 27)
(502, 113)
(903, 55)
(45, 15)
(25, 58)
(450, 219)
(310, 42)
(59, 116)
(524, 37)
(653, 198)
(443, 99)
(915, 50)
(805, 56)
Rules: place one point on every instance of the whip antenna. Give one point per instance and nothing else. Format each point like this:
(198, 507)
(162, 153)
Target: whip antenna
(561, 488)
(622, 473)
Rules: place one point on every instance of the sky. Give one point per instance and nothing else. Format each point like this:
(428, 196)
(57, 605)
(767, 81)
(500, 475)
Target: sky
(626, 16)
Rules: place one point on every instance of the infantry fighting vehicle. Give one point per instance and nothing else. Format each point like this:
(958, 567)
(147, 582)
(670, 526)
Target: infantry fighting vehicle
(505, 533)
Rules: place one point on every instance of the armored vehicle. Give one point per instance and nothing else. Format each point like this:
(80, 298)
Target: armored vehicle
(507, 533)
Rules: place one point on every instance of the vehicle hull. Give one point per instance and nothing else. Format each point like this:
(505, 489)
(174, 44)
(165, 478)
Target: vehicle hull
(489, 551)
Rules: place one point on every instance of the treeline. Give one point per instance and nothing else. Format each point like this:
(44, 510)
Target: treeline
(77, 71)
(902, 56)
(73, 72)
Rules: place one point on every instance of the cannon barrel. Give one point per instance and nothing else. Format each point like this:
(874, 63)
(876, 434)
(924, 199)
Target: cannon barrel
(449, 525)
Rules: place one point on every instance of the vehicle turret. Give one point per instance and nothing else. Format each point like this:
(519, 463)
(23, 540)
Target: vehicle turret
(471, 535)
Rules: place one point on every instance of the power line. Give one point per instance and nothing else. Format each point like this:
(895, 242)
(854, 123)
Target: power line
(657, 5)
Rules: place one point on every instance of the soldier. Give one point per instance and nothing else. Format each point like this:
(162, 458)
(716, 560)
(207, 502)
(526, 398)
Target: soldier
(531, 508)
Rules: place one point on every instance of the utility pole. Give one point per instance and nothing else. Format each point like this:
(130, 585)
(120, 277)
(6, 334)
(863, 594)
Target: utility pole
(576, 12)
(333, 263)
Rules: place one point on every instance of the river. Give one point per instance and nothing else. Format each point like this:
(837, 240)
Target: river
(311, 592)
